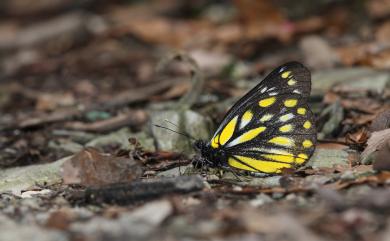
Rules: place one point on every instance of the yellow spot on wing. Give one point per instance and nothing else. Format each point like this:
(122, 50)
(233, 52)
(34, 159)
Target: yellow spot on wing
(282, 141)
(247, 116)
(266, 117)
(228, 131)
(267, 102)
(290, 102)
(291, 82)
(214, 142)
(257, 165)
(301, 158)
(301, 111)
(249, 135)
(302, 155)
(286, 128)
(307, 124)
(307, 144)
(286, 74)
(234, 163)
(280, 158)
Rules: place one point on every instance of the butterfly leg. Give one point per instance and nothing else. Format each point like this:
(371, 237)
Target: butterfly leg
(235, 174)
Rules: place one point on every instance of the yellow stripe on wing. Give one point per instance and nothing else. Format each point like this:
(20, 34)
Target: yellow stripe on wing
(228, 131)
(247, 136)
(251, 164)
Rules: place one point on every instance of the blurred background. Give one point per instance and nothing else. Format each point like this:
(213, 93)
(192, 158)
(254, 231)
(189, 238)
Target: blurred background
(77, 60)
(94, 73)
(89, 60)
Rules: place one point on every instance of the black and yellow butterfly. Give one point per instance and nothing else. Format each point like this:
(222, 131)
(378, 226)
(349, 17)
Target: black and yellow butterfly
(269, 129)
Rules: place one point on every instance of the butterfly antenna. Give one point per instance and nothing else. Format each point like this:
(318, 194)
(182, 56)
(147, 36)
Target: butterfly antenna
(177, 132)
(175, 125)
(170, 122)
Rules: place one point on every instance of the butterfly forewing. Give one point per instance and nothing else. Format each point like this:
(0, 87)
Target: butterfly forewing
(271, 127)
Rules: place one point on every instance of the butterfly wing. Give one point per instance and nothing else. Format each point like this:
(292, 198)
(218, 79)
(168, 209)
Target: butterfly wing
(271, 127)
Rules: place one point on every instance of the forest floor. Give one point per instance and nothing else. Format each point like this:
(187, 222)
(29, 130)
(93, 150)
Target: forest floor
(83, 84)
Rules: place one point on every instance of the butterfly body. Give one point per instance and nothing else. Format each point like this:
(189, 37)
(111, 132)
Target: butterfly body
(268, 129)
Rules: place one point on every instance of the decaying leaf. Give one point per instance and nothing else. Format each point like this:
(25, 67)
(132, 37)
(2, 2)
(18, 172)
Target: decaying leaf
(378, 150)
(381, 121)
(92, 168)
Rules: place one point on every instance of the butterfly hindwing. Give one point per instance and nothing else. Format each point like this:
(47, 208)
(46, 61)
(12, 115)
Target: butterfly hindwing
(271, 127)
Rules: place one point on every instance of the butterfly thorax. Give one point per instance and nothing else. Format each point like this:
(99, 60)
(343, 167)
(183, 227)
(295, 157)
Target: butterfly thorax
(211, 156)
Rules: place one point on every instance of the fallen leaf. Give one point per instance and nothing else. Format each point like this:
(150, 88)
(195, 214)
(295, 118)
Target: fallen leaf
(92, 168)
(317, 52)
(382, 162)
(376, 142)
(60, 219)
(381, 121)
(382, 34)
(50, 102)
(358, 138)
(128, 118)
(332, 145)
(378, 8)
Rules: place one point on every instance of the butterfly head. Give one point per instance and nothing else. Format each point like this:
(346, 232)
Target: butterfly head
(212, 157)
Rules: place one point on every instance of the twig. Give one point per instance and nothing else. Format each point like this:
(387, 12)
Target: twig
(143, 190)
(132, 118)
(121, 99)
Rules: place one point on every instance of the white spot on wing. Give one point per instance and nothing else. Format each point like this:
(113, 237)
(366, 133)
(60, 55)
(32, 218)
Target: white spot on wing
(296, 91)
(263, 90)
(273, 93)
(286, 117)
(266, 117)
(234, 142)
(271, 151)
(244, 123)
(271, 89)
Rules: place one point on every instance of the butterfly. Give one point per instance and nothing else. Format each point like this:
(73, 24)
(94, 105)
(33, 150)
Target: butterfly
(269, 129)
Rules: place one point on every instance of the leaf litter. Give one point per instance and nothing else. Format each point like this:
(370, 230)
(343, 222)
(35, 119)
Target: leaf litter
(78, 81)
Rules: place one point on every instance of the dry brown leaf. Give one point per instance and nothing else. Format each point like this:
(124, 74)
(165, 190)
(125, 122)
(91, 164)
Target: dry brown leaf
(258, 11)
(381, 60)
(49, 102)
(381, 121)
(378, 8)
(352, 54)
(92, 168)
(129, 118)
(360, 137)
(318, 53)
(332, 145)
(379, 147)
(382, 34)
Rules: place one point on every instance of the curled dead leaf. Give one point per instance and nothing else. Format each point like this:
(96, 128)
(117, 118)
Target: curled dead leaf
(381, 121)
(378, 150)
(89, 167)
